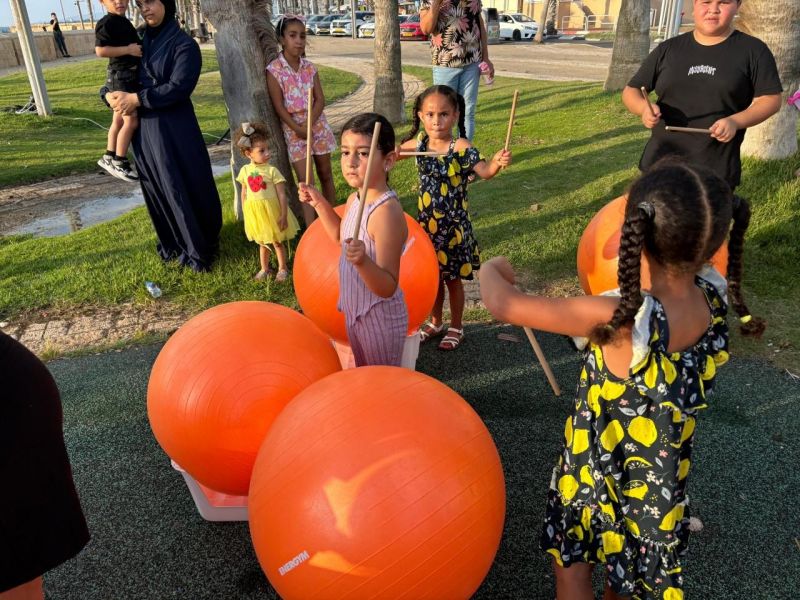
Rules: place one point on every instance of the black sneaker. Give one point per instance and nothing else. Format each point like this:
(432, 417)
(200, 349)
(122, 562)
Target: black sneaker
(105, 163)
(122, 169)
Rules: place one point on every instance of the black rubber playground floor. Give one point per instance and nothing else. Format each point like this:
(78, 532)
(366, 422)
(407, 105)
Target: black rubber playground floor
(148, 541)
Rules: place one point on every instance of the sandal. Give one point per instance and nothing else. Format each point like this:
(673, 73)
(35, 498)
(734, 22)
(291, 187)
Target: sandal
(452, 340)
(262, 275)
(282, 275)
(429, 330)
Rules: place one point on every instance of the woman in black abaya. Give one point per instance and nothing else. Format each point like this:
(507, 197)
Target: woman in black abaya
(171, 156)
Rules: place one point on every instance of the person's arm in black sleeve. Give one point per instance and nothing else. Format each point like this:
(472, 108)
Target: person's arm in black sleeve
(181, 84)
(645, 77)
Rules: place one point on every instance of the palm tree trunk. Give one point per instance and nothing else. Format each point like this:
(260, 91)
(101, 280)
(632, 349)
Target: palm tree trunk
(245, 44)
(777, 24)
(631, 43)
(388, 98)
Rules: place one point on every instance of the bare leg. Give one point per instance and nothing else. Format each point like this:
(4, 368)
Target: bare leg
(323, 165)
(309, 214)
(438, 305)
(280, 252)
(129, 125)
(575, 582)
(27, 591)
(263, 255)
(455, 289)
(113, 131)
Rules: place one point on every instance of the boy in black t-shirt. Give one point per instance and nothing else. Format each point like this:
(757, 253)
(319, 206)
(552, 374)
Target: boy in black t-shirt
(117, 40)
(713, 78)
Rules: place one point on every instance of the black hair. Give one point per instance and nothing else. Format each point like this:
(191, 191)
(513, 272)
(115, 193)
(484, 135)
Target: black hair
(364, 124)
(681, 215)
(283, 22)
(260, 134)
(456, 101)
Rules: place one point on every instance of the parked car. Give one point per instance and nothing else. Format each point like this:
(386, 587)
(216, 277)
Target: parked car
(310, 21)
(411, 30)
(323, 26)
(367, 30)
(344, 24)
(516, 26)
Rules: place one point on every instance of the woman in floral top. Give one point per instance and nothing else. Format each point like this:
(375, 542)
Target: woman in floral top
(458, 46)
(618, 493)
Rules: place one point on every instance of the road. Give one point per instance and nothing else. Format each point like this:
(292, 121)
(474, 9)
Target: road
(556, 61)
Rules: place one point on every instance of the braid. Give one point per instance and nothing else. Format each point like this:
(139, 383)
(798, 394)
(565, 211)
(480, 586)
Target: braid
(741, 220)
(462, 111)
(631, 244)
(414, 120)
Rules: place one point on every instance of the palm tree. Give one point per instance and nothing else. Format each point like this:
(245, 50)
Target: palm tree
(549, 15)
(777, 24)
(245, 44)
(388, 98)
(631, 43)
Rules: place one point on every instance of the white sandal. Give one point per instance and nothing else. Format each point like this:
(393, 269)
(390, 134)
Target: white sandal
(429, 330)
(451, 342)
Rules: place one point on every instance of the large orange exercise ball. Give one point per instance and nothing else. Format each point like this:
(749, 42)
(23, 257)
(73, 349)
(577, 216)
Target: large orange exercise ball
(222, 378)
(377, 482)
(598, 251)
(316, 277)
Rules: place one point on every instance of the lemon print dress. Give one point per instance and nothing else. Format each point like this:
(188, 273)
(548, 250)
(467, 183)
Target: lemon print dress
(444, 209)
(618, 493)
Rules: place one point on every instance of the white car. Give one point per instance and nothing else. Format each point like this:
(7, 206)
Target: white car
(367, 30)
(344, 25)
(516, 26)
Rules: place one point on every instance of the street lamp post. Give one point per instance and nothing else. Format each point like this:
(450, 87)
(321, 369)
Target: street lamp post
(80, 14)
(31, 57)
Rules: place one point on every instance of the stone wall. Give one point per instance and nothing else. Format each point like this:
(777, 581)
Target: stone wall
(79, 43)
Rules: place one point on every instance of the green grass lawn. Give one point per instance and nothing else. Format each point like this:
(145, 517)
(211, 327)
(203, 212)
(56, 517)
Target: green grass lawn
(575, 148)
(34, 149)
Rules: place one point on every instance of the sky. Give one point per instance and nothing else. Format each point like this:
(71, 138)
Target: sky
(39, 10)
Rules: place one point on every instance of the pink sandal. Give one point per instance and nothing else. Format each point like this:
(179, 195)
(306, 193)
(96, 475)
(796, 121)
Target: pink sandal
(429, 330)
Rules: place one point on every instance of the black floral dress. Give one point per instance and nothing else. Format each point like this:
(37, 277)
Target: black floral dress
(444, 209)
(618, 494)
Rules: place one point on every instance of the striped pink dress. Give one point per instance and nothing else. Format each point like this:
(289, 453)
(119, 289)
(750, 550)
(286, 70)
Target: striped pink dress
(376, 326)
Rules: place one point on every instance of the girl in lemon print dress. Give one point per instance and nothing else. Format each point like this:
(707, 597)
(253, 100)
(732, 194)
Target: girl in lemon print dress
(618, 494)
(267, 218)
(443, 206)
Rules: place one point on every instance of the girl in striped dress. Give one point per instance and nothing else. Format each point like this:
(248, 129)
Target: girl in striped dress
(369, 296)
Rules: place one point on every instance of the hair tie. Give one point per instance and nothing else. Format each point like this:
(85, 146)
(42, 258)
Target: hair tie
(746, 319)
(647, 209)
(247, 131)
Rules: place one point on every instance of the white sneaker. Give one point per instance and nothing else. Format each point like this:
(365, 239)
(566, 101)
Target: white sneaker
(123, 170)
(105, 163)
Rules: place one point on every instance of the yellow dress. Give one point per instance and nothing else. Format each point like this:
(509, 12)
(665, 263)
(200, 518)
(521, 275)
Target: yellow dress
(261, 206)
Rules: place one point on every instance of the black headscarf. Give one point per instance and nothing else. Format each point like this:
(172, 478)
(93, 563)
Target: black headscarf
(169, 16)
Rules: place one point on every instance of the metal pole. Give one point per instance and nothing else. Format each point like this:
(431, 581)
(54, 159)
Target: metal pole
(677, 18)
(91, 13)
(63, 14)
(660, 17)
(353, 17)
(32, 63)
(80, 14)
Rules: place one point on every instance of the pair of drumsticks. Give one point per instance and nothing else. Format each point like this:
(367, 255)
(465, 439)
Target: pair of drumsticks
(646, 96)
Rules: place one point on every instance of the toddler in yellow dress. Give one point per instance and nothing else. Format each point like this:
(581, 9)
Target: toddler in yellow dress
(267, 218)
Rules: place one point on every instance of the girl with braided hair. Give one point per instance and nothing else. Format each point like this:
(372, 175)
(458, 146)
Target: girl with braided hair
(618, 493)
(442, 203)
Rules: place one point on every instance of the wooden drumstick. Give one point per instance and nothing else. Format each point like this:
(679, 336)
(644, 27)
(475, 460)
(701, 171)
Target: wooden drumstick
(309, 139)
(425, 153)
(511, 119)
(646, 96)
(687, 129)
(373, 148)
(537, 349)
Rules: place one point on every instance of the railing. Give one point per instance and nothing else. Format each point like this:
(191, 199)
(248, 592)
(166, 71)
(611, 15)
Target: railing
(588, 22)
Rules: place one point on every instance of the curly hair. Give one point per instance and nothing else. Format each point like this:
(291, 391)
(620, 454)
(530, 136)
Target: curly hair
(456, 101)
(259, 134)
(681, 215)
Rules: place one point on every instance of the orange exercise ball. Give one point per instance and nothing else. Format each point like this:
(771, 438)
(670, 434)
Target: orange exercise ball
(377, 482)
(598, 251)
(316, 277)
(222, 378)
